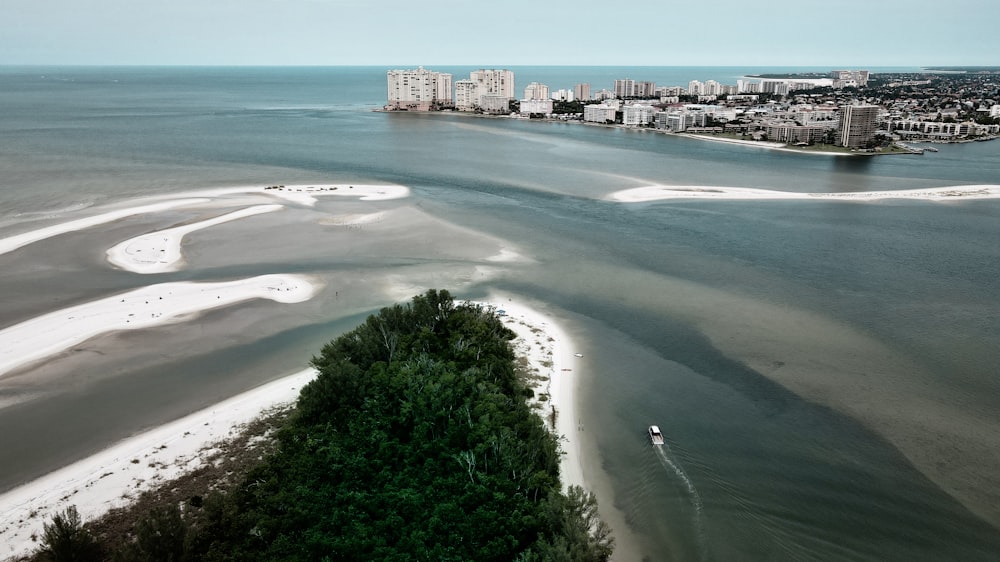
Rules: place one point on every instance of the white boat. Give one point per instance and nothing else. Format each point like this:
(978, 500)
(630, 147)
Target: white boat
(655, 436)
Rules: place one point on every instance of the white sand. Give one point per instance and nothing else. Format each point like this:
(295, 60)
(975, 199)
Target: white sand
(121, 473)
(662, 192)
(111, 478)
(149, 306)
(306, 194)
(301, 194)
(160, 251)
(551, 353)
(14, 242)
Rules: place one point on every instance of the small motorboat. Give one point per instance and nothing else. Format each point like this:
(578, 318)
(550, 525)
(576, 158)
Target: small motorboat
(655, 436)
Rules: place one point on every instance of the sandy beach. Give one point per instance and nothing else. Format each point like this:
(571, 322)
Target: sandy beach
(122, 472)
(665, 192)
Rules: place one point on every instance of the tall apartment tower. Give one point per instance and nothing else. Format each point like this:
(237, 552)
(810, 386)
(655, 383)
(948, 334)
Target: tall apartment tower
(536, 91)
(494, 82)
(581, 91)
(418, 90)
(624, 88)
(857, 125)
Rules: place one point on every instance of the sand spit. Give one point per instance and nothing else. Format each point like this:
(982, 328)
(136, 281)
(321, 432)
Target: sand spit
(665, 192)
(306, 194)
(119, 474)
(160, 251)
(147, 307)
(12, 243)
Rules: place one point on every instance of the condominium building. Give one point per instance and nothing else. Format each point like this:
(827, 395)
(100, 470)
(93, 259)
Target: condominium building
(466, 95)
(857, 125)
(418, 90)
(594, 113)
(536, 91)
(494, 82)
(637, 115)
(624, 88)
(581, 91)
(529, 106)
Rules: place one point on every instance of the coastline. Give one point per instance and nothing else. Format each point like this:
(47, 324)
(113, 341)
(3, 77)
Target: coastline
(119, 474)
(666, 192)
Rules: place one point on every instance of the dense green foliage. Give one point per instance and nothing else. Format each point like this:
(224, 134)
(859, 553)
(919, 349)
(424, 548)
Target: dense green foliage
(65, 539)
(413, 443)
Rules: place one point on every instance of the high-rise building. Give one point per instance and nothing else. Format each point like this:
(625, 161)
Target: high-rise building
(695, 88)
(624, 88)
(536, 91)
(494, 82)
(581, 91)
(419, 89)
(644, 90)
(466, 95)
(857, 125)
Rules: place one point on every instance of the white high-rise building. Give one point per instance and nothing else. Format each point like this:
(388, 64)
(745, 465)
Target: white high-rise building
(536, 91)
(637, 115)
(624, 88)
(494, 82)
(696, 88)
(581, 91)
(466, 95)
(418, 90)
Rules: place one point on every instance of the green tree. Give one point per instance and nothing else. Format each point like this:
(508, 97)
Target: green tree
(65, 539)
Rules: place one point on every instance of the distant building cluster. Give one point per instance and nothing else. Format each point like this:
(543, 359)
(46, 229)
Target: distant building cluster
(817, 108)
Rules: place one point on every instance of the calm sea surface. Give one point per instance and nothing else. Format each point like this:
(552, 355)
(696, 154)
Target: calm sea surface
(825, 372)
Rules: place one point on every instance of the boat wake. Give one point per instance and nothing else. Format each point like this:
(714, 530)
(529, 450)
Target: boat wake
(663, 452)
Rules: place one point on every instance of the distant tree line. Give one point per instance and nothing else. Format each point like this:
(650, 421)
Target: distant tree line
(414, 442)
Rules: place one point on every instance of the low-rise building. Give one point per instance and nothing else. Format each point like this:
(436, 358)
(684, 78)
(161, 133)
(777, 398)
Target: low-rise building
(599, 113)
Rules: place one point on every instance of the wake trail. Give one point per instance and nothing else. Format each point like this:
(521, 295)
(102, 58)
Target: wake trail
(695, 497)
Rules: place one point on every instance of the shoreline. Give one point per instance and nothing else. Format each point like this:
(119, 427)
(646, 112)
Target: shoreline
(651, 193)
(118, 474)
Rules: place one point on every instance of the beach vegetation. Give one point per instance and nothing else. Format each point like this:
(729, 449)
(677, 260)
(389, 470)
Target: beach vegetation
(65, 539)
(414, 442)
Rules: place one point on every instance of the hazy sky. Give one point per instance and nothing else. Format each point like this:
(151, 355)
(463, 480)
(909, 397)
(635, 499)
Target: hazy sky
(510, 32)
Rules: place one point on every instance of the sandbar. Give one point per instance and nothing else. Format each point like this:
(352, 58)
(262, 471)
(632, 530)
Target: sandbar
(12, 243)
(160, 251)
(666, 192)
(153, 305)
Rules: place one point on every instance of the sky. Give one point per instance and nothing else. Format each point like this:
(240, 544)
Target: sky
(404, 33)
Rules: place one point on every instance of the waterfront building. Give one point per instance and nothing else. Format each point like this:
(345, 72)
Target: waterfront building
(466, 95)
(581, 92)
(696, 88)
(857, 125)
(529, 106)
(790, 132)
(418, 90)
(493, 82)
(599, 113)
(536, 91)
(637, 115)
(494, 103)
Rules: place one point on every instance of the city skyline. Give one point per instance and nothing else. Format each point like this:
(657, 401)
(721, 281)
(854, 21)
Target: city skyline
(351, 32)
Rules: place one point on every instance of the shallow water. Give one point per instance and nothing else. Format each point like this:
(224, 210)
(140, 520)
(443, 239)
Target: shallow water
(824, 371)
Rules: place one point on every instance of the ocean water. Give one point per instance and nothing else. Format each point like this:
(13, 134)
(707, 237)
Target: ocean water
(824, 371)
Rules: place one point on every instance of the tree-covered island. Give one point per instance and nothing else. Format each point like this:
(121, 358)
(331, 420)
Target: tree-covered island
(414, 442)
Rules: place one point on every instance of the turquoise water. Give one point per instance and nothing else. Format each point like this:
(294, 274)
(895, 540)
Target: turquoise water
(824, 371)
